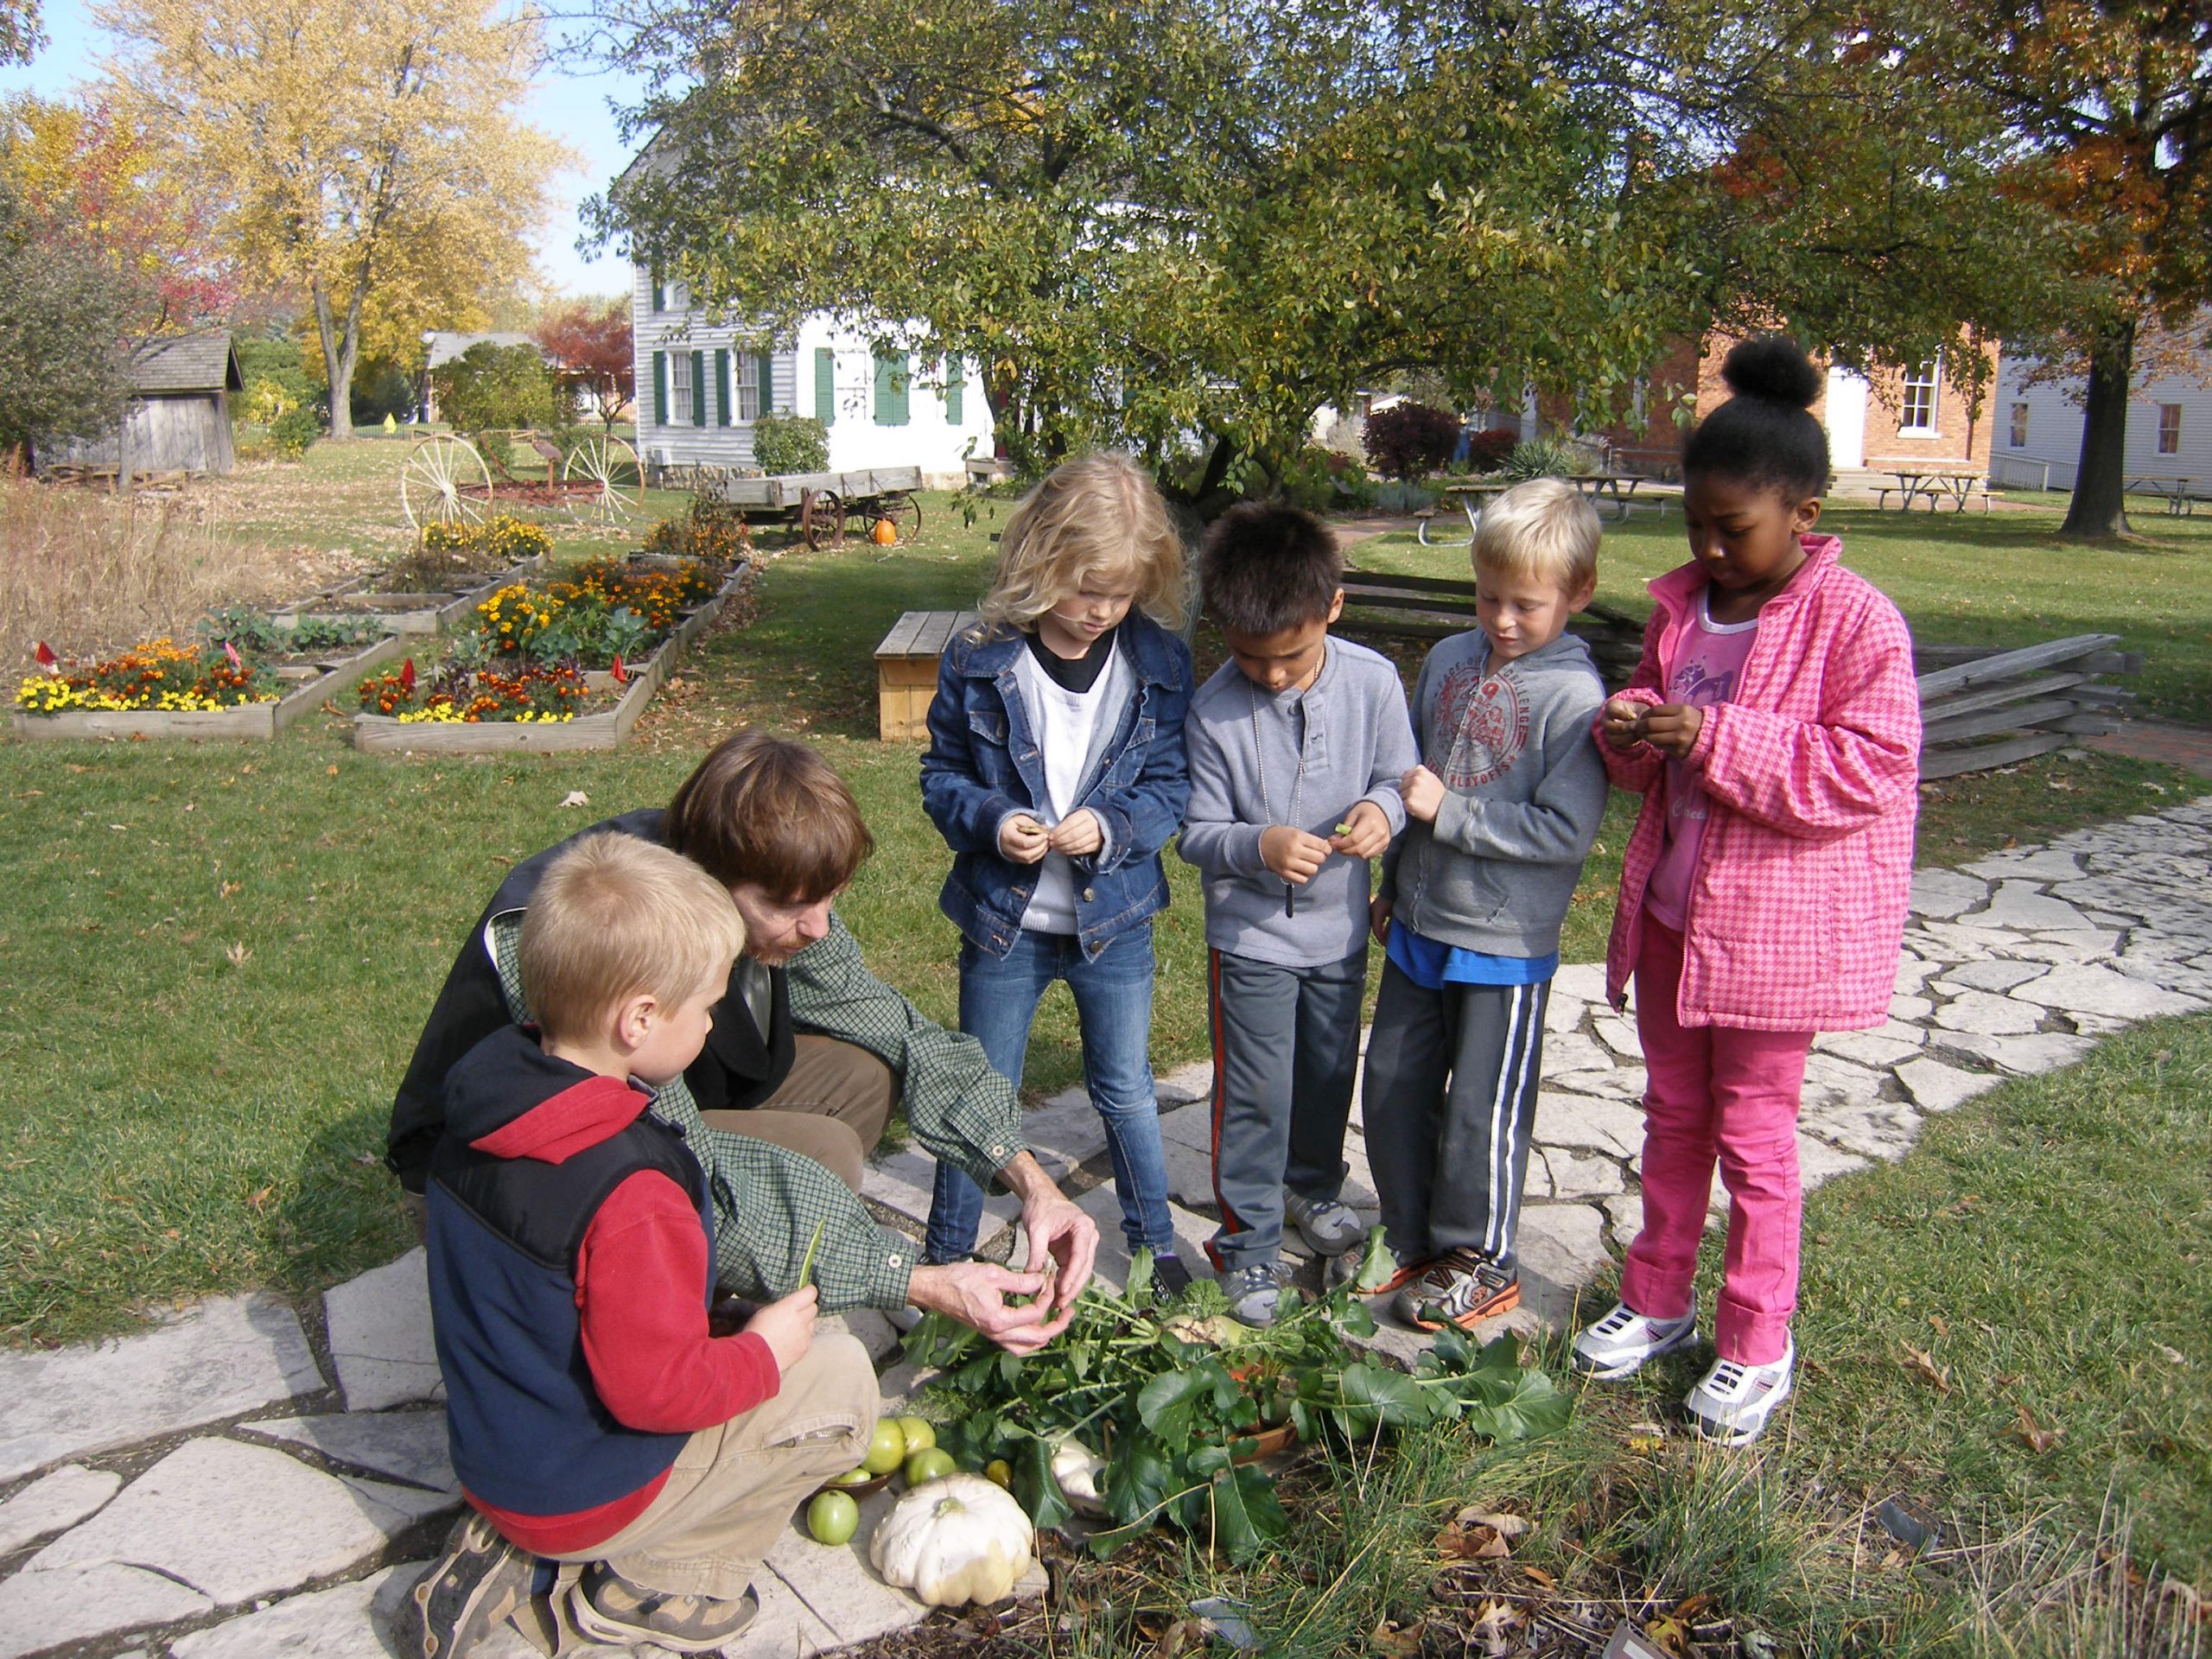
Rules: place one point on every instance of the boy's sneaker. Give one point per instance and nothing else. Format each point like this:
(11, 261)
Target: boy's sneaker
(1732, 1402)
(1328, 1226)
(607, 1607)
(1253, 1293)
(1461, 1288)
(1623, 1339)
(477, 1581)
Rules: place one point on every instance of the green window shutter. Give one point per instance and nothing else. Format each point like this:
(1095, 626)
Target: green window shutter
(825, 384)
(890, 390)
(660, 293)
(698, 388)
(660, 388)
(764, 365)
(956, 389)
(721, 386)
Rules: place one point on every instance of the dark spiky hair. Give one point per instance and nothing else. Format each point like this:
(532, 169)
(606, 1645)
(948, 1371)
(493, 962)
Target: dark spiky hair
(1266, 567)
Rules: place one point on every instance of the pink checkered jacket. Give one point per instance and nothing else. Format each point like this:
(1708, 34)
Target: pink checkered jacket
(1798, 898)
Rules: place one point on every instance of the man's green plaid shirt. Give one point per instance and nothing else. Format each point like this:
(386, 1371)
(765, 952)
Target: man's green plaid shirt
(770, 1203)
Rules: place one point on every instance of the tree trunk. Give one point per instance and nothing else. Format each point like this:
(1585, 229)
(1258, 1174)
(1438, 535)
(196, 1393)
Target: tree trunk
(341, 351)
(2098, 508)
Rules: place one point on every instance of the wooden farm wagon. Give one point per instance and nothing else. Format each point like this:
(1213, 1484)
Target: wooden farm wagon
(821, 506)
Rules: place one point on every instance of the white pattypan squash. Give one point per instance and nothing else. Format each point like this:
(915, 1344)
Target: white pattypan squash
(956, 1539)
(1079, 1471)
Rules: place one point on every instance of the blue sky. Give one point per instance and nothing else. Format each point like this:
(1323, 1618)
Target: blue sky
(572, 108)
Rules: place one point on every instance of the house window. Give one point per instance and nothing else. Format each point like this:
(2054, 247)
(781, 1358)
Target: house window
(679, 365)
(1920, 401)
(2019, 433)
(2169, 428)
(678, 295)
(748, 389)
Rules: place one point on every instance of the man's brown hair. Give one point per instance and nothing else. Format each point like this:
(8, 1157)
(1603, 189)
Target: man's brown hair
(763, 809)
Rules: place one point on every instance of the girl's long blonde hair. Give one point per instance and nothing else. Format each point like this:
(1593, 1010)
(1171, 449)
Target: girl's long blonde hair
(1096, 518)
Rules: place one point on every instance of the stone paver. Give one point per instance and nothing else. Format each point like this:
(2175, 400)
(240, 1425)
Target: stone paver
(380, 1336)
(54, 1501)
(226, 1357)
(2013, 966)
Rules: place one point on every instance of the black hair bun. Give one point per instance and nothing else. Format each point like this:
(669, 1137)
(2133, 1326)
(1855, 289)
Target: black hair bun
(1772, 367)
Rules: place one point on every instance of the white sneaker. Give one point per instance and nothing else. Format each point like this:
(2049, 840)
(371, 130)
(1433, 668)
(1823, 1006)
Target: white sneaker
(1623, 1339)
(1732, 1402)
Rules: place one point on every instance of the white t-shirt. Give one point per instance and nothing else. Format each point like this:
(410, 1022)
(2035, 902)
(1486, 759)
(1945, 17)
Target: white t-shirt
(1071, 728)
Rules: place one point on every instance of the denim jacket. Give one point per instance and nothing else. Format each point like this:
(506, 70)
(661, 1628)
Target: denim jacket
(984, 763)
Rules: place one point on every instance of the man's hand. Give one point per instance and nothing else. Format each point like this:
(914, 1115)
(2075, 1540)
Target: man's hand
(1623, 725)
(1424, 793)
(1672, 728)
(1023, 840)
(976, 1293)
(788, 1327)
(1079, 835)
(1378, 917)
(1366, 833)
(1055, 1228)
(1292, 853)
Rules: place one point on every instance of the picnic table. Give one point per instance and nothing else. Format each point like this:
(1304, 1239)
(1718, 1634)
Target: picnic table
(2179, 493)
(1615, 490)
(1935, 486)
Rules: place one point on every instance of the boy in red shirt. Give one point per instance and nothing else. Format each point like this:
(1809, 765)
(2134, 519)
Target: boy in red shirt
(593, 1415)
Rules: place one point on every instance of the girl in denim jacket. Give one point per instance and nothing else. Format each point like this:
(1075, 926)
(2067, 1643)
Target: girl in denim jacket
(1055, 772)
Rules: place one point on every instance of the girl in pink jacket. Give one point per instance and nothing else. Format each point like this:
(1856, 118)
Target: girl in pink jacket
(1773, 728)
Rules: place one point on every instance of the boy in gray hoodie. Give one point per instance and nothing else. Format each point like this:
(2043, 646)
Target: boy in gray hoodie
(1504, 808)
(1296, 747)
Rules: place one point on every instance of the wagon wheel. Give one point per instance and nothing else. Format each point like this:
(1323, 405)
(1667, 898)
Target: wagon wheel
(904, 512)
(822, 519)
(444, 482)
(603, 479)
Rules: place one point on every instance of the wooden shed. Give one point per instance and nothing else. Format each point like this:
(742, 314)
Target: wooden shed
(179, 416)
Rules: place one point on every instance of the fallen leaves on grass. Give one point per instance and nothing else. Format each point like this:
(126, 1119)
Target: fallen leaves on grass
(2038, 1438)
(1923, 1365)
(1396, 1641)
(576, 798)
(237, 955)
(1479, 1536)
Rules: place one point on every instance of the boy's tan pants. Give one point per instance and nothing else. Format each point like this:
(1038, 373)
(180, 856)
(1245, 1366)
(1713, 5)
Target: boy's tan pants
(732, 1488)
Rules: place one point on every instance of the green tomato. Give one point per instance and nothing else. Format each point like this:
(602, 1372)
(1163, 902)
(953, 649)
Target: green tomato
(998, 1472)
(928, 1465)
(858, 1477)
(886, 1450)
(920, 1437)
(833, 1517)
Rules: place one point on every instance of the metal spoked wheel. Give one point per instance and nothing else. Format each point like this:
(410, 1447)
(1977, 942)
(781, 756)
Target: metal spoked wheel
(445, 481)
(603, 481)
(905, 514)
(822, 519)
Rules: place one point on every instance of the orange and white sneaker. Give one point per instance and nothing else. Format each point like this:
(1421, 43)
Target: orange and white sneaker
(1462, 1287)
(1732, 1402)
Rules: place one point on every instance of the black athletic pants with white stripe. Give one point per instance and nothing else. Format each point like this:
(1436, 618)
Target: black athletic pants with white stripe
(1448, 1108)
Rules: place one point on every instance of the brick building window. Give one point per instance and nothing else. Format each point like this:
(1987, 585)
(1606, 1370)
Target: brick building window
(1920, 402)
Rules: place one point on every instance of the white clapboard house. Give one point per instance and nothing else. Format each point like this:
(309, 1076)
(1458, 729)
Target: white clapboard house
(2037, 441)
(702, 383)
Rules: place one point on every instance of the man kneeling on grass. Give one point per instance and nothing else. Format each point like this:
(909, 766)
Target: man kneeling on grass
(593, 1415)
(806, 1054)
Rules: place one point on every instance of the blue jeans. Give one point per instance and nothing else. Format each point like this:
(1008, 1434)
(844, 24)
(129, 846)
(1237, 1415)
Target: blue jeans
(1112, 1004)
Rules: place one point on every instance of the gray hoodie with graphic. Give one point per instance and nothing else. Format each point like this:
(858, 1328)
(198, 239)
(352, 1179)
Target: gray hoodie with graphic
(1524, 790)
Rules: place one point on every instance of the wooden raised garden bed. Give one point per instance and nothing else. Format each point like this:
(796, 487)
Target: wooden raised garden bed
(416, 612)
(311, 685)
(385, 735)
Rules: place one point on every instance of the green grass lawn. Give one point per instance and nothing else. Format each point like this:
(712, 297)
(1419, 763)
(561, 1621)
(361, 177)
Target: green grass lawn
(213, 962)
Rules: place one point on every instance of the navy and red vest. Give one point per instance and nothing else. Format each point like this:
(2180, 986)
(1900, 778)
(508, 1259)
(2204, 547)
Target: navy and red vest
(528, 1430)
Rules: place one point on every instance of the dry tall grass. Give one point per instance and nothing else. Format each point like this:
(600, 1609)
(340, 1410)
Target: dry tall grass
(88, 572)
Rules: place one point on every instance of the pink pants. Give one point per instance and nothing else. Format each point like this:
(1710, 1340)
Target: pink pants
(1716, 1090)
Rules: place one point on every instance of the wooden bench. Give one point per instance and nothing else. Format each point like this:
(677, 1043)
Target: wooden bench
(905, 671)
(1434, 607)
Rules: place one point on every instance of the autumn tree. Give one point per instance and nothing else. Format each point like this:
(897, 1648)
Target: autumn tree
(588, 344)
(63, 355)
(2110, 103)
(364, 154)
(21, 31)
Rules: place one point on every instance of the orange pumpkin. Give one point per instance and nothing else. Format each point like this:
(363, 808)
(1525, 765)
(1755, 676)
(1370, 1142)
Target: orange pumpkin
(885, 533)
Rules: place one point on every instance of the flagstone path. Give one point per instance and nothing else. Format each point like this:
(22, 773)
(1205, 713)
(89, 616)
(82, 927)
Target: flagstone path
(247, 1479)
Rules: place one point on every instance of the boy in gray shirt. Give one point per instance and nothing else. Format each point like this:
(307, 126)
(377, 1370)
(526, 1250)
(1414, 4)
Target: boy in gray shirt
(1296, 747)
(1504, 808)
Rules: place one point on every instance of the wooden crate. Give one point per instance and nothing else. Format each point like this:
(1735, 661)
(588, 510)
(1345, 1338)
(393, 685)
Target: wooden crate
(905, 671)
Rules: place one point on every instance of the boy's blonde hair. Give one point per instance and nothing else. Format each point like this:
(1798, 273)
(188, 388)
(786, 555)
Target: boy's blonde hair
(1096, 518)
(1545, 528)
(614, 916)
